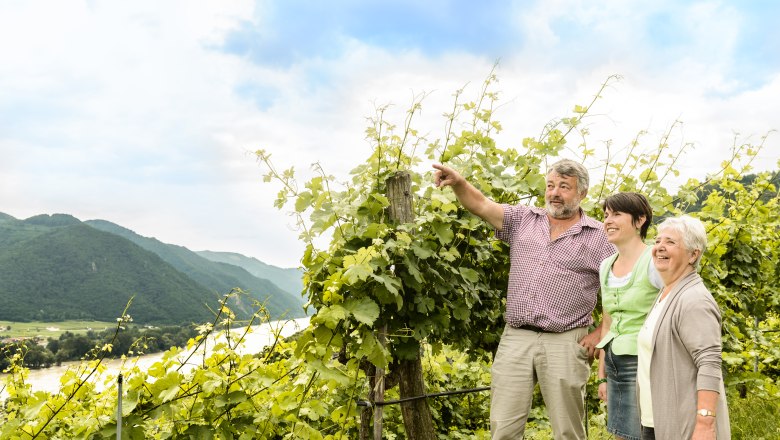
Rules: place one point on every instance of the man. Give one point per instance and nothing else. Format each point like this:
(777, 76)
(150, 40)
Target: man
(553, 287)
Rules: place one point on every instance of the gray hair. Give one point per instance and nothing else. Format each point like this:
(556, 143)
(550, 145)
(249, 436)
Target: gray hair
(691, 230)
(570, 168)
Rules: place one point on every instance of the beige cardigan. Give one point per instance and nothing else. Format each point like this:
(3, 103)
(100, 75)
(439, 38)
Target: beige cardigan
(686, 358)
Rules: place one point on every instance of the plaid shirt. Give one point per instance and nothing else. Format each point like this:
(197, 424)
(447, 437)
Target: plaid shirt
(553, 285)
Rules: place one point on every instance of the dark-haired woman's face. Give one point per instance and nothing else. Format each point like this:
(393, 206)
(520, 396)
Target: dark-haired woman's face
(619, 226)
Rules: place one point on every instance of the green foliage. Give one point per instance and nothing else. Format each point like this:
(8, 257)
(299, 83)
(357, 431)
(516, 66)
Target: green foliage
(217, 276)
(741, 270)
(78, 272)
(754, 417)
(190, 393)
(56, 267)
(265, 396)
(289, 279)
(441, 278)
(461, 416)
(433, 286)
(33, 354)
(128, 340)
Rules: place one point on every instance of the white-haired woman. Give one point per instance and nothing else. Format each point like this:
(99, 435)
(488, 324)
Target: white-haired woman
(681, 392)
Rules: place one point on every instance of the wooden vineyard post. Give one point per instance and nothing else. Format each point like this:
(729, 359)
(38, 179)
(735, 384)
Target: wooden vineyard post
(418, 422)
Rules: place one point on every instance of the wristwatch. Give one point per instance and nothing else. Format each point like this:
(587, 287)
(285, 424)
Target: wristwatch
(705, 413)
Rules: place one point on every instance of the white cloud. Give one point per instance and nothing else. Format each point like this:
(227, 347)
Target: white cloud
(129, 112)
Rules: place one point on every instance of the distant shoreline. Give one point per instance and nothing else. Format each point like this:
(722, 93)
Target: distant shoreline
(47, 379)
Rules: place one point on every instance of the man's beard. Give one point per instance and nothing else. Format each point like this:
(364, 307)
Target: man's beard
(564, 212)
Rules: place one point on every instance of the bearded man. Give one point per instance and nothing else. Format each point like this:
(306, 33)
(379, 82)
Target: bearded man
(555, 253)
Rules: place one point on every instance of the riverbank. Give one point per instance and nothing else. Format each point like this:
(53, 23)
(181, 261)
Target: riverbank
(48, 379)
(11, 330)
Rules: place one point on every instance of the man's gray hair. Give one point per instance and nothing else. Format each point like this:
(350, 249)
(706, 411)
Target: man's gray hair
(691, 230)
(570, 168)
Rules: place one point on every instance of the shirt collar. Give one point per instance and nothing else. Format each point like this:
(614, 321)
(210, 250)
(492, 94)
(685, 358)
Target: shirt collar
(584, 222)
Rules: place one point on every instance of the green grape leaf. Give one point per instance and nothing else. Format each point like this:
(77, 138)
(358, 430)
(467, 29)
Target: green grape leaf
(364, 310)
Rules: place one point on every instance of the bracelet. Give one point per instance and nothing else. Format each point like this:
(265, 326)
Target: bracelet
(601, 381)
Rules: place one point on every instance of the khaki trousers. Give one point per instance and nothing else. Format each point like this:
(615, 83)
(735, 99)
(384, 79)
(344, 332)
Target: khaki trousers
(558, 363)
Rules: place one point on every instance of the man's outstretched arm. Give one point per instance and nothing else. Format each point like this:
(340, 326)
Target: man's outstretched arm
(469, 196)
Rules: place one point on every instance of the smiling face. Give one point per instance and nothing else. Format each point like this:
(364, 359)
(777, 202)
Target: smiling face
(620, 227)
(562, 196)
(671, 258)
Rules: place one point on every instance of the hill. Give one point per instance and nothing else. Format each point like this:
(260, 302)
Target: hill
(217, 276)
(289, 279)
(55, 267)
(65, 270)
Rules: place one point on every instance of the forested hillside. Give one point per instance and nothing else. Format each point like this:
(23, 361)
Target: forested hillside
(78, 272)
(289, 279)
(218, 276)
(56, 267)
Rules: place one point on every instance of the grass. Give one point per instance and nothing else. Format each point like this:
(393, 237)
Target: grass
(754, 417)
(49, 329)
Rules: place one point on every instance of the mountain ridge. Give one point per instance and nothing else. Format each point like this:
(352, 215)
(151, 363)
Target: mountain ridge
(38, 253)
(290, 279)
(215, 275)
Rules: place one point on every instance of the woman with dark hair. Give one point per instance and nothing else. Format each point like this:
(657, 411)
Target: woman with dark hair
(629, 285)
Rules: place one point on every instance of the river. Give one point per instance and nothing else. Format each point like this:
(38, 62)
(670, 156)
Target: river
(48, 379)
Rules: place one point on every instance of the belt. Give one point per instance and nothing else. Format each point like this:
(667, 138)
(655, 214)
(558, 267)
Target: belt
(533, 329)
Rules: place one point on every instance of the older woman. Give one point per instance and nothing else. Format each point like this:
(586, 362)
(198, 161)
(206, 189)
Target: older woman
(681, 392)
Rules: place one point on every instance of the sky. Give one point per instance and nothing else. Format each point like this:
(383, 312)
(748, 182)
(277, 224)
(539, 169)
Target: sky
(147, 113)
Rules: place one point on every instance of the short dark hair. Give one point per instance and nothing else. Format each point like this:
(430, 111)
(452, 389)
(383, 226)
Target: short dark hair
(634, 204)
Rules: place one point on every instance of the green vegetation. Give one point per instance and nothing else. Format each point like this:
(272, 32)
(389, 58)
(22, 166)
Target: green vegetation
(291, 280)
(57, 268)
(754, 417)
(77, 272)
(67, 346)
(421, 299)
(218, 276)
(382, 287)
(275, 393)
(11, 329)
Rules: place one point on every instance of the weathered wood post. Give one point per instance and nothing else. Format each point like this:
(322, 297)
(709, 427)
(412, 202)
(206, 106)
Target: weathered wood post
(365, 414)
(379, 390)
(418, 421)
(119, 407)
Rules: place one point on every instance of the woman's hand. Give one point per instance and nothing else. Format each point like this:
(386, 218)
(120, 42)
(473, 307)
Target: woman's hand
(704, 429)
(603, 392)
(602, 355)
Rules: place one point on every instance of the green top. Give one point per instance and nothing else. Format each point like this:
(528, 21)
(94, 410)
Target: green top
(627, 305)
